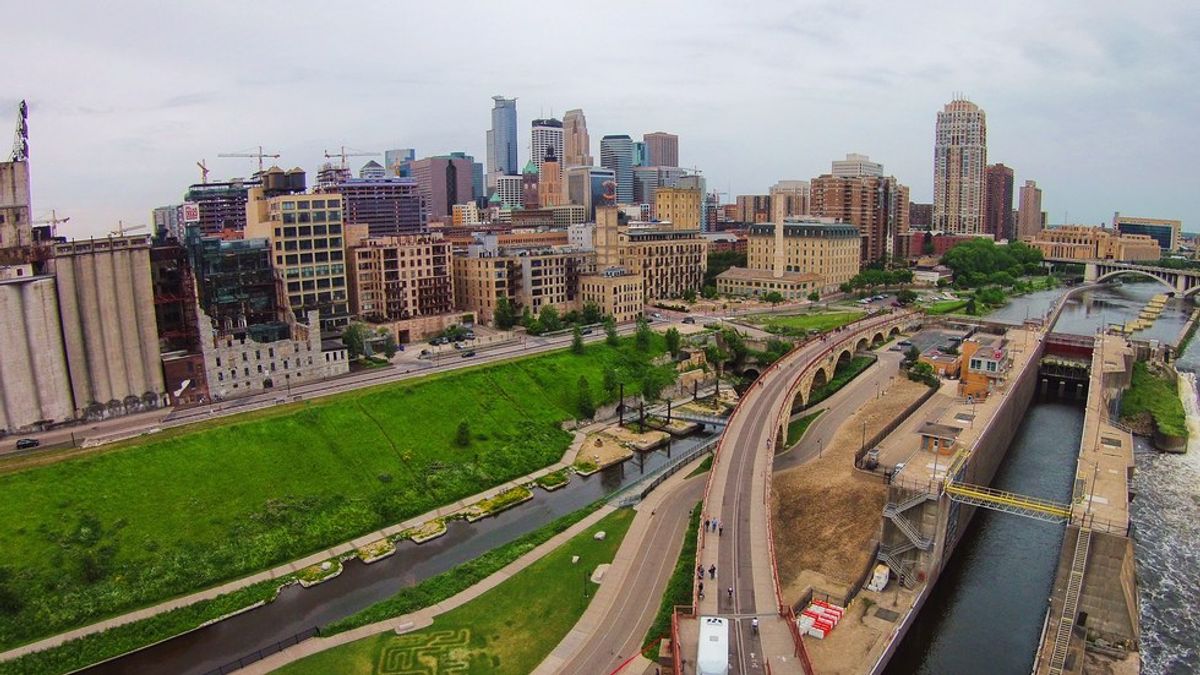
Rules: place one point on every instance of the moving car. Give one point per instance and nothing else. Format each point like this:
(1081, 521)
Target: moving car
(468, 353)
(26, 443)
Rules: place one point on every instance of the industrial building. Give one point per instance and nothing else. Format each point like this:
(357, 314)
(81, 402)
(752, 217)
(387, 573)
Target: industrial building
(35, 388)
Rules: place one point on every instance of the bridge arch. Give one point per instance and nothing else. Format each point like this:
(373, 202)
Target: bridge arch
(877, 339)
(843, 358)
(1142, 273)
(894, 331)
(862, 345)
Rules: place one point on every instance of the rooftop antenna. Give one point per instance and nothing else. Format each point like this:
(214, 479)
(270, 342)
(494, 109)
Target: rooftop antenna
(20, 151)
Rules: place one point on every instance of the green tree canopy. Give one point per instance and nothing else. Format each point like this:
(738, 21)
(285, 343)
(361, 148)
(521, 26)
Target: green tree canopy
(506, 314)
(576, 340)
(673, 340)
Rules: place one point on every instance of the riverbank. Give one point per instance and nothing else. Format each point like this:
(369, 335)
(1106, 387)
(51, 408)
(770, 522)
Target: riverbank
(1151, 407)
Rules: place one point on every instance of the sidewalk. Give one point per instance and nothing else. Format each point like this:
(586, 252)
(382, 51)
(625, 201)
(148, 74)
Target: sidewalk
(424, 617)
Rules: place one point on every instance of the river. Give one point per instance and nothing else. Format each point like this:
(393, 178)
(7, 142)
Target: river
(986, 612)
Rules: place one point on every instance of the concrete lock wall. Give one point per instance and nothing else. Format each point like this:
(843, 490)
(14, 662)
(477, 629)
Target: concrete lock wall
(33, 369)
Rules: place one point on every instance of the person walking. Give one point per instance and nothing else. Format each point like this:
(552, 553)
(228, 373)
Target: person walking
(706, 523)
(730, 593)
(701, 590)
(700, 571)
(754, 625)
(712, 572)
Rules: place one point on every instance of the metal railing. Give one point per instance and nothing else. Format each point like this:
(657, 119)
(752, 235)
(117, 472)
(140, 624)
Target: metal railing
(1009, 502)
(263, 653)
(637, 491)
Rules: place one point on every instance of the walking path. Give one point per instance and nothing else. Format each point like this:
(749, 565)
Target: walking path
(424, 617)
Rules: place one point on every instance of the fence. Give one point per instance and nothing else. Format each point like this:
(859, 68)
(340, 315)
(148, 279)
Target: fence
(636, 492)
(263, 653)
(891, 426)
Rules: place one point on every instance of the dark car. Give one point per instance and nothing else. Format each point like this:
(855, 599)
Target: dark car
(690, 319)
(468, 354)
(586, 331)
(26, 443)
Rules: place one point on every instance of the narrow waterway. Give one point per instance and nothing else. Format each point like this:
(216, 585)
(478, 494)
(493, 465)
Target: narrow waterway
(986, 612)
(298, 609)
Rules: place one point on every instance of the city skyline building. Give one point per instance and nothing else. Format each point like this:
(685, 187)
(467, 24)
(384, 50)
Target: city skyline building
(998, 201)
(387, 206)
(443, 181)
(959, 158)
(1029, 213)
(587, 186)
(502, 140)
(616, 153)
(372, 169)
(662, 148)
(640, 155)
(577, 149)
(856, 165)
(789, 198)
(550, 180)
(396, 158)
(876, 205)
(546, 133)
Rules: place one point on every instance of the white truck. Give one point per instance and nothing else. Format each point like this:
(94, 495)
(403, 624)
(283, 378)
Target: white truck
(713, 656)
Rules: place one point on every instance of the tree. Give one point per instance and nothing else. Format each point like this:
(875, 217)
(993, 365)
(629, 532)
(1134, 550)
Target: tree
(576, 340)
(714, 355)
(388, 344)
(549, 320)
(642, 335)
(845, 287)
(912, 354)
(610, 332)
(506, 314)
(943, 282)
(689, 296)
(906, 297)
(673, 340)
(736, 346)
(972, 307)
(709, 292)
(774, 297)
(591, 313)
(719, 262)
(355, 339)
(651, 387)
(587, 407)
(463, 437)
(527, 317)
(815, 296)
(611, 381)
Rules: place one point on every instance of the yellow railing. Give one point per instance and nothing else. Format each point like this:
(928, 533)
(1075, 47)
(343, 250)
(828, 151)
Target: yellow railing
(1009, 499)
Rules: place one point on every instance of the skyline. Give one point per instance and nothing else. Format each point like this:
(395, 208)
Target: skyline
(755, 96)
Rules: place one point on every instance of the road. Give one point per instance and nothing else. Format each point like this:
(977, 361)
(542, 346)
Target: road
(737, 498)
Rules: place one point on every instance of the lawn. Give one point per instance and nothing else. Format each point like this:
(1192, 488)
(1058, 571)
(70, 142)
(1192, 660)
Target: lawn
(841, 376)
(679, 586)
(1156, 396)
(945, 306)
(801, 324)
(508, 629)
(97, 535)
(797, 427)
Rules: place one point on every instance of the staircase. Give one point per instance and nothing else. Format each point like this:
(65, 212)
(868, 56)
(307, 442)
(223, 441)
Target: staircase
(892, 512)
(1066, 621)
(901, 568)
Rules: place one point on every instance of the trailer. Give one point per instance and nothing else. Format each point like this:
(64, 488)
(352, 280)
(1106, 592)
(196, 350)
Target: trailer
(713, 656)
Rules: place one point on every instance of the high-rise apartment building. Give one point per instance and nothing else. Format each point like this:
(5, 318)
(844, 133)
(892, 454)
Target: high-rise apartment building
(753, 208)
(708, 215)
(670, 261)
(528, 277)
(510, 191)
(547, 133)
(876, 205)
(502, 140)
(856, 165)
(789, 198)
(662, 148)
(398, 278)
(443, 181)
(168, 222)
(1029, 213)
(395, 159)
(388, 206)
(550, 180)
(920, 215)
(959, 158)
(998, 202)
(576, 144)
(616, 153)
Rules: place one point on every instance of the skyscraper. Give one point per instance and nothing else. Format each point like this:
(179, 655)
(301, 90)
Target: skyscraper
(997, 202)
(959, 158)
(878, 206)
(1029, 213)
(442, 182)
(789, 198)
(502, 140)
(856, 165)
(576, 144)
(546, 133)
(663, 148)
(396, 158)
(641, 156)
(616, 153)
(550, 183)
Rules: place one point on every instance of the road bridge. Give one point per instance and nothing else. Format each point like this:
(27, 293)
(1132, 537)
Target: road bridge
(738, 496)
(1183, 282)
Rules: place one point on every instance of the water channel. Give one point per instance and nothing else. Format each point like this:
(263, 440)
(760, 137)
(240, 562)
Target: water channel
(298, 609)
(985, 614)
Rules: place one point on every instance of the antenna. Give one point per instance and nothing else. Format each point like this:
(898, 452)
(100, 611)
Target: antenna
(20, 151)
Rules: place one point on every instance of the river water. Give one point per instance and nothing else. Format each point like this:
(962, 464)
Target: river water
(985, 614)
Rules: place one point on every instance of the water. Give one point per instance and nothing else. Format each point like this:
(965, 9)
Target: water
(359, 585)
(1091, 309)
(985, 613)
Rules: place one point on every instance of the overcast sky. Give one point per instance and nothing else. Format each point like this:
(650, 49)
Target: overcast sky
(1097, 103)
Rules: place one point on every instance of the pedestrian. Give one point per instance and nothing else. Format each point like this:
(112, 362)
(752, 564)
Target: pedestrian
(754, 625)
(712, 572)
(701, 589)
(700, 571)
(706, 521)
(730, 592)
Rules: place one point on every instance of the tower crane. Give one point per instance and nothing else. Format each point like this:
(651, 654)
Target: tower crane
(122, 229)
(203, 171)
(260, 155)
(53, 221)
(353, 153)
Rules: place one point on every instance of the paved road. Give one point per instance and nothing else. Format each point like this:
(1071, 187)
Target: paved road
(737, 497)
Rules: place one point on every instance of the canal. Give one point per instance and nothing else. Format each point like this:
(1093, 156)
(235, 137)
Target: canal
(986, 612)
(298, 609)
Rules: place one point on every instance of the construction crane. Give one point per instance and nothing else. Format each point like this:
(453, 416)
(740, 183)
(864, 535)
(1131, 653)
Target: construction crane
(260, 155)
(122, 229)
(20, 151)
(353, 153)
(203, 171)
(53, 221)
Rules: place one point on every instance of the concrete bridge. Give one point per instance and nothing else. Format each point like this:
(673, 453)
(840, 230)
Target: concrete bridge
(1183, 282)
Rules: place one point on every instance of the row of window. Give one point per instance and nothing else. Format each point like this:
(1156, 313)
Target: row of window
(305, 204)
(293, 259)
(312, 217)
(308, 230)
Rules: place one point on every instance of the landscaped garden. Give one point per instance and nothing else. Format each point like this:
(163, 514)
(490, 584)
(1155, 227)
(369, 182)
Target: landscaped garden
(98, 535)
(798, 426)
(508, 629)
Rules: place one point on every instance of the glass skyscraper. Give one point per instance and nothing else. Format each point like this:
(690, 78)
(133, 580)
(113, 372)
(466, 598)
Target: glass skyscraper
(616, 153)
(502, 140)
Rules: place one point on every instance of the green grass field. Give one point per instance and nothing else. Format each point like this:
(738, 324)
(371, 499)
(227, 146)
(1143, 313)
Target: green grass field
(1157, 397)
(800, 324)
(92, 537)
(945, 306)
(841, 376)
(508, 629)
(797, 427)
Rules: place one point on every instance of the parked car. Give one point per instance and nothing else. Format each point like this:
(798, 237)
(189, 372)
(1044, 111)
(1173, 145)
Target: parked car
(458, 345)
(468, 354)
(469, 336)
(690, 319)
(26, 443)
(904, 343)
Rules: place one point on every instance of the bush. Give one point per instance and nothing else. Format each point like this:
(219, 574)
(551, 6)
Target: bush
(679, 586)
(462, 437)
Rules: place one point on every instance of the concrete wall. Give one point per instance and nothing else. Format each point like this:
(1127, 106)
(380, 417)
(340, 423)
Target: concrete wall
(34, 386)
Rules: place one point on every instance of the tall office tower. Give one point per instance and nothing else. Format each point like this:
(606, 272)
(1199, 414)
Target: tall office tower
(477, 186)
(1029, 213)
(443, 181)
(502, 140)
(550, 183)
(640, 156)
(389, 207)
(789, 198)
(577, 147)
(510, 190)
(998, 201)
(959, 158)
(587, 186)
(547, 133)
(856, 165)
(395, 159)
(663, 148)
(616, 153)
(876, 205)
(647, 179)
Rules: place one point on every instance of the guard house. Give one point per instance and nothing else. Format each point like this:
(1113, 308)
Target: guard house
(937, 438)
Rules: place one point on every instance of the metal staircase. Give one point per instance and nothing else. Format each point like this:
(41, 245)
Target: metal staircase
(905, 525)
(916, 499)
(1066, 621)
(901, 568)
